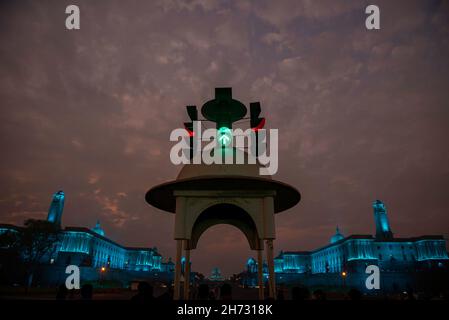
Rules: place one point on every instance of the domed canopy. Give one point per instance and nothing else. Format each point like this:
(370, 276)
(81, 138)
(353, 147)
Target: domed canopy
(208, 170)
(222, 177)
(97, 229)
(337, 236)
(213, 170)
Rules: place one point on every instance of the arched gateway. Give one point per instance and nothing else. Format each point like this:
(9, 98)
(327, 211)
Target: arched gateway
(205, 195)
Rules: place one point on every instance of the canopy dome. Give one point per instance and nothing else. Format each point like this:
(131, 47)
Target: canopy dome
(222, 177)
(207, 170)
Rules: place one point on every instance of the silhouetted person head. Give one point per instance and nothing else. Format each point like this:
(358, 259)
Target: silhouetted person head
(280, 295)
(212, 295)
(300, 293)
(167, 295)
(203, 292)
(410, 295)
(145, 288)
(226, 292)
(62, 292)
(87, 292)
(280, 292)
(319, 295)
(144, 292)
(354, 294)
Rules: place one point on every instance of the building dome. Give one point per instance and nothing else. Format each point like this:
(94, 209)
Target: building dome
(250, 262)
(216, 275)
(280, 255)
(337, 236)
(97, 229)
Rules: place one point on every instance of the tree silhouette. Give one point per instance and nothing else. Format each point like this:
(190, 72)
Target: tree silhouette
(38, 239)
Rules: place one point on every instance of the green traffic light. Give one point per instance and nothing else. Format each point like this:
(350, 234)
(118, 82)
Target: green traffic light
(224, 136)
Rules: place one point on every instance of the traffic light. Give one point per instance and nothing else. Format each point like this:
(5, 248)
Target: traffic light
(192, 111)
(224, 136)
(189, 127)
(223, 110)
(224, 98)
(256, 122)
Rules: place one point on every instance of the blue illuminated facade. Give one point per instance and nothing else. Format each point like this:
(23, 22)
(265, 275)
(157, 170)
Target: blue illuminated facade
(92, 250)
(86, 247)
(400, 258)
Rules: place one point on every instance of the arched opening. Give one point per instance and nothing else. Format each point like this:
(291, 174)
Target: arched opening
(225, 213)
(221, 246)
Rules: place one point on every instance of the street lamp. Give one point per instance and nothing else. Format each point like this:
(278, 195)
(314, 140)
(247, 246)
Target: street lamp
(102, 271)
(344, 275)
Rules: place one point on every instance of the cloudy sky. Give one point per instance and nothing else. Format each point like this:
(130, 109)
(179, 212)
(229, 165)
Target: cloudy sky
(361, 114)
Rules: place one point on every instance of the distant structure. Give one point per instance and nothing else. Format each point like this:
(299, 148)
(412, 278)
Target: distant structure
(56, 208)
(91, 249)
(383, 231)
(337, 236)
(402, 261)
(98, 229)
(216, 275)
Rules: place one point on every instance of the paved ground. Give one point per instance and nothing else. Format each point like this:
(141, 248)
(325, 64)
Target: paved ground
(238, 293)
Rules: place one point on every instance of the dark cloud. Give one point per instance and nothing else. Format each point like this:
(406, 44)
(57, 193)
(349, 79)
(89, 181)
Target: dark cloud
(362, 114)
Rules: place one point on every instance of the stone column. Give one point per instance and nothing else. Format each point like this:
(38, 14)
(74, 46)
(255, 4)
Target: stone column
(260, 273)
(270, 262)
(177, 288)
(187, 270)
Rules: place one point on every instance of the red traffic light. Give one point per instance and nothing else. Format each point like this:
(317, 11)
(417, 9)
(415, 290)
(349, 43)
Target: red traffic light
(260, 125)
(189, 128)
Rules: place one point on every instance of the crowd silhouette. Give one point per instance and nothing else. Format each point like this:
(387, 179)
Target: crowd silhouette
(145, 293)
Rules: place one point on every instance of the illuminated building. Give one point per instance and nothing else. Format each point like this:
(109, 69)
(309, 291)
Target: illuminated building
(92, 250)
(399, 259)
(216, 275)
